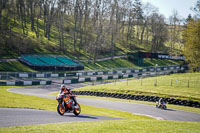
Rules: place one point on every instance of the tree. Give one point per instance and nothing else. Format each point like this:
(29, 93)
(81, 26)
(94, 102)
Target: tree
(192, 43)
(159, 32)
(191, 37)
(196, 9)
(48, 14)
(175, 29)
(2, 6)
(148, 11)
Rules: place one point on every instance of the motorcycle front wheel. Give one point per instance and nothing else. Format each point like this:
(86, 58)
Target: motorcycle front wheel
(164, 107)
(77, 110)
(60, 109)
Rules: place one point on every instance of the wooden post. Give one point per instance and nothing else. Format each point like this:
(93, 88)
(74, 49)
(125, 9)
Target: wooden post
(155, 83)
(171, 82)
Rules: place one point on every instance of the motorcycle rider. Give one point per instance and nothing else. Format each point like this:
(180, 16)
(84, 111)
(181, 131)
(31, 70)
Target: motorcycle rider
(66, 91)
(161, 102)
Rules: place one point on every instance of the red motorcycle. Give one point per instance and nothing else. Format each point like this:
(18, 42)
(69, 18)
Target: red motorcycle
(67, 103)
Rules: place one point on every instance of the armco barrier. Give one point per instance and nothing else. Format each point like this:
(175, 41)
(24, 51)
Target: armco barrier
(116, 76)
(8, 75)
(23, 83)
(139, 97)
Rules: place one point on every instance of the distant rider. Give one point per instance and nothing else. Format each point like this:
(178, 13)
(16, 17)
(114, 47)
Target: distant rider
(161, 101)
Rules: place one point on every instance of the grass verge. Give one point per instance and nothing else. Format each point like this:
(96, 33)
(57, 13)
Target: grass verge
(181, 86)
(119, 126)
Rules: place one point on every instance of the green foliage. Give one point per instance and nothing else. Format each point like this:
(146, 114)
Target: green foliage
(192, 43)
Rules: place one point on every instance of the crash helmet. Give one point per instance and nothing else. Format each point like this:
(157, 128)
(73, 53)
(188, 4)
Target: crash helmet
(63, 87)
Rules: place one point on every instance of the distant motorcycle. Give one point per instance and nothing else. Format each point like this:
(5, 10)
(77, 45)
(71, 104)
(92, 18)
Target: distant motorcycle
(67, 103)
(161, 105)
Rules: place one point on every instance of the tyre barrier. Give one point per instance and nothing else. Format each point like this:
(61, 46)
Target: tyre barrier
(24, 83)
(140, 98)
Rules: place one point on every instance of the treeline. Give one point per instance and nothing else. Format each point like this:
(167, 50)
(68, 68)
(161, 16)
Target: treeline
(191, 38)
(92, 26)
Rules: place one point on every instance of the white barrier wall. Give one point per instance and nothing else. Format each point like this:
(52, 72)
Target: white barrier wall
(115, 76)
(89, 74)
(119, 72)
(10, 83)
(27, 82)
(23, 75)
(151, 69)
(136, 71)
(81, 79)
(125, 76)
(100, 73)
(152, 73)
(79, 74)
(158, 69)
(67, 81)
(43, 82)
(40, 75)
(54, 75)
(128, 71)
(105, 77)
(110, 72)
(161, 73)
(144, 74)
(93, 78)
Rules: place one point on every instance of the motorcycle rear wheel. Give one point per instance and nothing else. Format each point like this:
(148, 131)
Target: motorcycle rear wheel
(77, 110)
(60, 109)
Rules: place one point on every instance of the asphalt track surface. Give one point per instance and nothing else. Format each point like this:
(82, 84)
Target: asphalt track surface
(18, 117)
